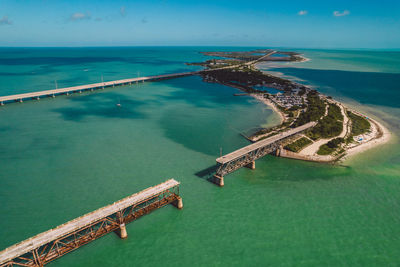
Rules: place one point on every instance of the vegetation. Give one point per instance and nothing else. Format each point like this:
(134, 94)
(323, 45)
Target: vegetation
(329, 126)
(298, 145)
(247, 77)
(315, 110)
(335, 112)
(359, 125)
(255, 54)
(330, 147)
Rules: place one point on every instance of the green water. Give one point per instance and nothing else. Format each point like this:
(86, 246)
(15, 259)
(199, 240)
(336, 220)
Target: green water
(63, 157)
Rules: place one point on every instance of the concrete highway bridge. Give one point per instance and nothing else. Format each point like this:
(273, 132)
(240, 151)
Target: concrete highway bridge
(246, 156)
(88, 87)
(52, 244)
(95, 86)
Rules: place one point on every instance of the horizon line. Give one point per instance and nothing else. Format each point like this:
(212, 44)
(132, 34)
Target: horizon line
(239, 46)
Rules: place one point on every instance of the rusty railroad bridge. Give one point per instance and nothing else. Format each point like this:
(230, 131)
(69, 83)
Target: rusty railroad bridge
(52, 244)
(246, 156)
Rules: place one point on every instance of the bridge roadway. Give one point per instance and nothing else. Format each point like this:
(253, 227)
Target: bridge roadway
(74, 89)
(93, 86)
(56, 242)
(247, 155)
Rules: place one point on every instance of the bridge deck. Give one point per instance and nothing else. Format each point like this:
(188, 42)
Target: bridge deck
(17, 97)
(80, 222)
(245, 150)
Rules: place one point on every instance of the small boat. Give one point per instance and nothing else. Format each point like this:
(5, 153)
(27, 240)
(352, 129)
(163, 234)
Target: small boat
(119, 103)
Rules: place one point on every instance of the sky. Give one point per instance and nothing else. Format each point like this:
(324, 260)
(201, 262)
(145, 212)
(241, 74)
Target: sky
(300, 24)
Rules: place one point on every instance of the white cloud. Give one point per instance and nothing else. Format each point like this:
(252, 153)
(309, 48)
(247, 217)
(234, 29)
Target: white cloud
(122, 10)
(302, 12)
(79, 16)
(341, 14)
(5, 21)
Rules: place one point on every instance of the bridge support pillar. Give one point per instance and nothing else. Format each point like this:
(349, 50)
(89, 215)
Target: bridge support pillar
(278, 151)
(178, 203)
(1, 103)
(122, 231)
(251, 165)
(219, 180)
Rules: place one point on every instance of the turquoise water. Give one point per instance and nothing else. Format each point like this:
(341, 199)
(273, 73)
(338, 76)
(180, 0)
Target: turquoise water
(67, 156)
(279, 55)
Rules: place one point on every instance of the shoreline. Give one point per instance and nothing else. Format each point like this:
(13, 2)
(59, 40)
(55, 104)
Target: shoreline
(270, 104)
(382, 135)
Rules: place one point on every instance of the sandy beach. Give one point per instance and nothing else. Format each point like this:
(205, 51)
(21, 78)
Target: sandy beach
(382, 136)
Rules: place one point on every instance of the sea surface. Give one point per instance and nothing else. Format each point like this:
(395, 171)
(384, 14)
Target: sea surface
(63, 157)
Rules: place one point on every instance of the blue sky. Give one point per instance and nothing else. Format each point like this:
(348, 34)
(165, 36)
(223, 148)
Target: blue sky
(315, 24)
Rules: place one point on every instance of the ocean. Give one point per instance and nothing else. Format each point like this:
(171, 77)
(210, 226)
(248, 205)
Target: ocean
(63, 157)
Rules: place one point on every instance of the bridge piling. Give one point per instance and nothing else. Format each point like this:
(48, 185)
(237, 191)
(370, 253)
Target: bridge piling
(278, 151)
(219, 180)
(122, 231)
(251, 165)
(178, 203)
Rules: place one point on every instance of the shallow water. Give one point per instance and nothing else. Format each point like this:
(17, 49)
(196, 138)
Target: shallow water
(67, 156)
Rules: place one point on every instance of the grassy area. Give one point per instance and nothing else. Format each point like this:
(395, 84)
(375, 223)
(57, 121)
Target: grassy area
(359, 125)
(299, 144)
(330, 147)
(315, 110)
(329, 126)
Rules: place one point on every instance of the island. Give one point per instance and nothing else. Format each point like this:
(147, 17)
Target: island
(339, 131)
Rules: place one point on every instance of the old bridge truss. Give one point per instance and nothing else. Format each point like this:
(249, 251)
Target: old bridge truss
(246, 159)
(75, 239)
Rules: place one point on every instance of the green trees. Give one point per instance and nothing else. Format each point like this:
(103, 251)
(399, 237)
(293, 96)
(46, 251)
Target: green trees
(299, 144)
(329, 126)
(359, 124)
(330, 147)
(315, 110)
